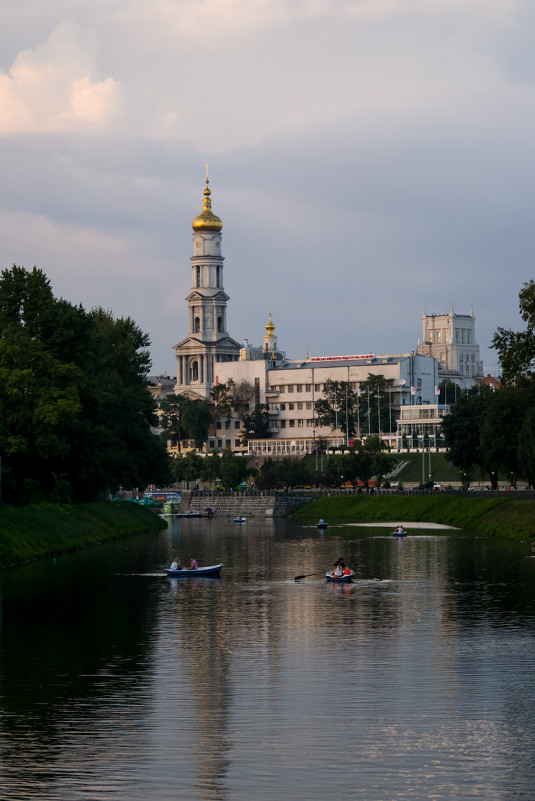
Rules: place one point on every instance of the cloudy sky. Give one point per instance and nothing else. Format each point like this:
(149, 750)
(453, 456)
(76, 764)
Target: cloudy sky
(368, 158)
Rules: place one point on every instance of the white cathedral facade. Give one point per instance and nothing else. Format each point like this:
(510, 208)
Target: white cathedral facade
(208, 355)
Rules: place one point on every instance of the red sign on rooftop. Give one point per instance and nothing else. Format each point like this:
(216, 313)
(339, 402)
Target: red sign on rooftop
(342, 358)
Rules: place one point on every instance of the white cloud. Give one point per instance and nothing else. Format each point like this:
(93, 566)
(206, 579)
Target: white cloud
(56, 87)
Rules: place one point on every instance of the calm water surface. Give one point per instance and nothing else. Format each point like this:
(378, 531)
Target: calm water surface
(416, 681)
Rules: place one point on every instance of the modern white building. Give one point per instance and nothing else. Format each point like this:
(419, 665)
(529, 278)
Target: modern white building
(451, 339)
(291, 388)
(209, 356)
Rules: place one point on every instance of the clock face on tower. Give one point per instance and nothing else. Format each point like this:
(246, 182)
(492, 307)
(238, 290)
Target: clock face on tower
(197, 243)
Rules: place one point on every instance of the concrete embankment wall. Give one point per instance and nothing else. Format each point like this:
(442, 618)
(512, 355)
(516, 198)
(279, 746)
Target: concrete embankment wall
(240, 504)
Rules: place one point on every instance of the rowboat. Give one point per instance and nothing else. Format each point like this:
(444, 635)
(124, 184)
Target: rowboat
(329, 575)
(321, 524)
(239, 519)
(211, 570)
(399, 534)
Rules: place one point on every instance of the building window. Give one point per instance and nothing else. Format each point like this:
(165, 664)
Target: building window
(197, 325)
(237, 443)
(198, 276)
(309, 404)
(308, 387)
(282, 388)
(317, 387)
(290, 387)
(283, 423)
(300, 404)
(218, 425)
(291, 406)
(291, 423)
(227, 423)
(236, 423)
(298, 387)
(283, 407)
(219, 443)
(300, 423)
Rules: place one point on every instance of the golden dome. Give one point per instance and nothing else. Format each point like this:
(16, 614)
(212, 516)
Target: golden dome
(206, 220)
(270, 327)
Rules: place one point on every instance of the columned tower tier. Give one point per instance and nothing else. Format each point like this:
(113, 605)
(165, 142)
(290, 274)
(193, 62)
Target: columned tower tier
(208, 341)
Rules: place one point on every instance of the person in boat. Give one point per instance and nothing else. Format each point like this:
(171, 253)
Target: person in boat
(175, 564)
(338, 569)
(193, 564)
(322, 522)
(400, 529)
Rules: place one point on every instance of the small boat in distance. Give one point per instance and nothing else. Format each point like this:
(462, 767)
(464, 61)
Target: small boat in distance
(399, 532)
(210, 570)
(322, 524)
(239, 519)
(330, 576)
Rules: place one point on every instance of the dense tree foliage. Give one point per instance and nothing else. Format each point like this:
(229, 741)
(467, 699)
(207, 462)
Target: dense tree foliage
(335, 408)
(257, 423)
(366, 460)
(75, 410)
(232, 399)
(516, 349)
(290, 471)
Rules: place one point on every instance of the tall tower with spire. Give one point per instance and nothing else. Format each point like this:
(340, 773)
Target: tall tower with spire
(208, 341)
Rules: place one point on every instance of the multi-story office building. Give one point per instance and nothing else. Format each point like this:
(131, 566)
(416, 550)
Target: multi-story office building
(451, 339)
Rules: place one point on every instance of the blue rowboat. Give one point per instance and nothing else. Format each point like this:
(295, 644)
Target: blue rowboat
(211, 570)
(344, 577)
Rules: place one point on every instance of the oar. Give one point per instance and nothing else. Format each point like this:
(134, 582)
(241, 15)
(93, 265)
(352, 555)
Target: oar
(305, 575)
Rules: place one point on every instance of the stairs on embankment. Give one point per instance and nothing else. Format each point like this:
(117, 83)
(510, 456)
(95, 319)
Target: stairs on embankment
(250, 505)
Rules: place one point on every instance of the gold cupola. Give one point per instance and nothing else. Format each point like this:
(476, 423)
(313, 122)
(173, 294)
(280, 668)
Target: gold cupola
(207, 220)
(270, 327)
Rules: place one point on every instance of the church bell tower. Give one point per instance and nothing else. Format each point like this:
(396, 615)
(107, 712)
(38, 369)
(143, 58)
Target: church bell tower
(208, 341)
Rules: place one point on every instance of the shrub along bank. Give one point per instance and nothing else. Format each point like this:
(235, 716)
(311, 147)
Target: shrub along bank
(33, 532)
(510, 519)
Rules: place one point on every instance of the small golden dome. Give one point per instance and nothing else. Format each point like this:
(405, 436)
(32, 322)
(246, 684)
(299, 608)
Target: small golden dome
(270, 327)
(207, 220)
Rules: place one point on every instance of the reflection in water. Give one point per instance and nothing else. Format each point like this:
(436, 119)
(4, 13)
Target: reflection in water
(414, 681)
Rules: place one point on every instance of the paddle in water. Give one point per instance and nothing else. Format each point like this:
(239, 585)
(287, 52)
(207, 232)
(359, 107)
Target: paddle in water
(305, 575)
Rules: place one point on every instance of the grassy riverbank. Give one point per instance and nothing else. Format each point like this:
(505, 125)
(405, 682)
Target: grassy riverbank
(511, 519)
(33, 532)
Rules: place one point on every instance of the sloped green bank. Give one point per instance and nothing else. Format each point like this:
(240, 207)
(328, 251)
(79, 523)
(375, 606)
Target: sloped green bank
(33, 532)
(497, 517)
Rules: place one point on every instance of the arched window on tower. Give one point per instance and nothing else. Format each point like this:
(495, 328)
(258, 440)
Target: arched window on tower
(198, 276)
(195, 371)
(218, 276)
(197, 325)
(219, 325)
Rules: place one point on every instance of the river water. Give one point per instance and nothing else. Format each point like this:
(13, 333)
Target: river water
(416, 681)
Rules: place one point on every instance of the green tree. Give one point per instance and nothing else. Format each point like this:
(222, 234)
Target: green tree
(75, 411)
(500, 437)
(232, 399)
(211, 467)
(336, 408)
(197, 419)
(462, 431)
(170, 419)
(257, 423)
(187, 466)
(233, 468)
(516, 349)
(448, 391)
(374, 404)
